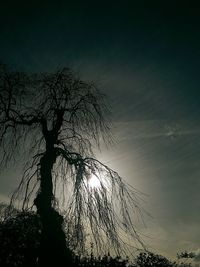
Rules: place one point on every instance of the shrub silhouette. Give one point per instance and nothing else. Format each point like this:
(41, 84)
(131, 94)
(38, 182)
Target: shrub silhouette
(20, 239)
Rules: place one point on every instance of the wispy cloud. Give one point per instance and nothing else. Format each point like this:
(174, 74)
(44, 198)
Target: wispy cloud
(155, 128)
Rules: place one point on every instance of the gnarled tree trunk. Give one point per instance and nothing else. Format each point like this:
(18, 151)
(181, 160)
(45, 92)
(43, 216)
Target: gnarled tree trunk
(53, 250)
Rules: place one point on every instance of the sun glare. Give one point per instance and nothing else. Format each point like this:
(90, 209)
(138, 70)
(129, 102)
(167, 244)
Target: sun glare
(94, 182)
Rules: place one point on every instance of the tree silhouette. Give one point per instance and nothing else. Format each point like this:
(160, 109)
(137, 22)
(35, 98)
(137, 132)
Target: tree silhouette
(53, 121)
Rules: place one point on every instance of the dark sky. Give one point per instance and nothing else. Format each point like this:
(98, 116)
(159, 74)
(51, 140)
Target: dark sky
(147, 59)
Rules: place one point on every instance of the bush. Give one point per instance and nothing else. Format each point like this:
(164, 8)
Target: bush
(149, 259)
(19, 239)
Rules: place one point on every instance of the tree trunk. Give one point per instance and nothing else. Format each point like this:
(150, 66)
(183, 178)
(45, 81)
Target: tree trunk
(53, 250)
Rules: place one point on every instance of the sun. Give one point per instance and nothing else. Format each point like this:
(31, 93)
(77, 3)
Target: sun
(94, 182)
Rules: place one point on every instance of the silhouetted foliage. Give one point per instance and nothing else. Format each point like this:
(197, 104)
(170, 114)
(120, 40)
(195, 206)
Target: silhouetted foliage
(185, 255)
(19, 239)
(55, 120)
(148, 259)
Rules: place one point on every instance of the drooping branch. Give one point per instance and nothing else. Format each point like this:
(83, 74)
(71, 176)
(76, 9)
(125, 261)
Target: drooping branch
(102, 213)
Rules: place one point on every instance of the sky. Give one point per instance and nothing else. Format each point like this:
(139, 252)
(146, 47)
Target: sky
(146, 58)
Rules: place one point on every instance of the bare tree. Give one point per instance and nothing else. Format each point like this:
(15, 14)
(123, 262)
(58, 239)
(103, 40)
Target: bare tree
(55, 120)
